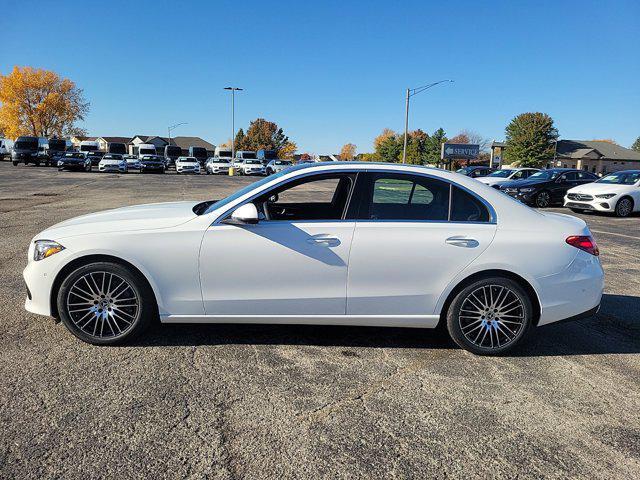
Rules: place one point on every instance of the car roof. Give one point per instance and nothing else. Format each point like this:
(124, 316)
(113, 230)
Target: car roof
(622, 171)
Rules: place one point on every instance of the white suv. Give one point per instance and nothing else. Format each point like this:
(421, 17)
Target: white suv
(617, 192)
(252, 167)
(504, 175)
(187, 165)
(113, 162)
(217, 165)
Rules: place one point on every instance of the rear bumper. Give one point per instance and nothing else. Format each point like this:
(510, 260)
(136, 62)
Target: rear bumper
(588, 314)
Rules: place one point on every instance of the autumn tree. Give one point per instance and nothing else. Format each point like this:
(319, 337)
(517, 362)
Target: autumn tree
(305, 157)
(386, 133)
(40, 103)
(462, 137)
(388, 146)
(287, 150)
(263, 134)
(226, 144)
(607, 140)
(348, 152)
(530, 139)
(239, 140)
(636, 145)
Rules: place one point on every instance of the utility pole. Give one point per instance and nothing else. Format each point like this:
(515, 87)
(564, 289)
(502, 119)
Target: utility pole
(172, 127)
(410, 93)
(233, 119)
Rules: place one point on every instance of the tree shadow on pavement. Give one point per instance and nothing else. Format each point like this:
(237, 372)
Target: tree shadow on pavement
(614, 330)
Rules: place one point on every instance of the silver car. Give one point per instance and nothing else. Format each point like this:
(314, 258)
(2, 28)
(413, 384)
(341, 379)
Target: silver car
(275, 166)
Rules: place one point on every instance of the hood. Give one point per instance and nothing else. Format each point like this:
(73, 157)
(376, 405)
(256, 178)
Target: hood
(524, 183)
(73, 160)
(139, 217)
(493, 180)
(111, 162)
(599, 188)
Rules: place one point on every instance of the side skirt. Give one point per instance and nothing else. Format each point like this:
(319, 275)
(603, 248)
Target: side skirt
(407, 321)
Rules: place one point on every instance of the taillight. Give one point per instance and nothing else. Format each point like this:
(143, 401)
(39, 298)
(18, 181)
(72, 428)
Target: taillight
(584, 242)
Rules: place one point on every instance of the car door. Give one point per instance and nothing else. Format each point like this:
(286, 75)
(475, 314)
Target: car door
(292, 262)
(563, 183)
(414, 234)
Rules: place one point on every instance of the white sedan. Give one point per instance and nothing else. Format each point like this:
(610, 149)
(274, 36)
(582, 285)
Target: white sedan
(113, 162)
(617, 192)
(504, 175)
(326, 243)
(187, 165)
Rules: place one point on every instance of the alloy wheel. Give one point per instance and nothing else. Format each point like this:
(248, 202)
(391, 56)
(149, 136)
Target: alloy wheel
(102, 305)
(543, 199)
(624, 207)
(492, 316)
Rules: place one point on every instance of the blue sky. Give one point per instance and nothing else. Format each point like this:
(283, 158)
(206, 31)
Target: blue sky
(335, 72)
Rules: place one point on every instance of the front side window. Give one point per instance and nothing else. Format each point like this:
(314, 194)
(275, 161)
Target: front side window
(318, 197)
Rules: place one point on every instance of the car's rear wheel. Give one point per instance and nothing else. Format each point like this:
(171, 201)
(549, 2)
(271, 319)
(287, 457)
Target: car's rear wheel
(624, 207)
(490, 316)
(105, 303)
(543, 199)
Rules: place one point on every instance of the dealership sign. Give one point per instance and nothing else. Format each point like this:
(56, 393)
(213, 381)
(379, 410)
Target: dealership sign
(459, 151)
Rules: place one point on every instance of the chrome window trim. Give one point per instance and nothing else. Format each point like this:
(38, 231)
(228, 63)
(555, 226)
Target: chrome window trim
(493, 217)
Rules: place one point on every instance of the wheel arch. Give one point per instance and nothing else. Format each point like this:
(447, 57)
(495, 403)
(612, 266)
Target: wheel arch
(527, 287)
(628, 197)
(85, 260)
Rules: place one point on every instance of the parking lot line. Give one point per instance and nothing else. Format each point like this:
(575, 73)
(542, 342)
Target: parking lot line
(615, 234)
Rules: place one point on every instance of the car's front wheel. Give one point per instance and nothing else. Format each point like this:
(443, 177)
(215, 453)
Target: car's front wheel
(543, 199)
(624, 207)
(105, 303)
(490, 316)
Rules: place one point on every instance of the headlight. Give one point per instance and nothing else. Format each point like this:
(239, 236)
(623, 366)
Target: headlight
(45, 248)
(527, 189)
(606, 195)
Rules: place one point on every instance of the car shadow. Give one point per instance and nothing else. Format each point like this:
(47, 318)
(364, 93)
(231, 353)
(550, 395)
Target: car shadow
(614, 330)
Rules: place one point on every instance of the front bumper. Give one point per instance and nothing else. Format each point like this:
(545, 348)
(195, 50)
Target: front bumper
(151, 168)
(253, 171)
(39, 277)
(112, 168)
(71, 166)
(596, 205)
(524, 197)
(187, 170)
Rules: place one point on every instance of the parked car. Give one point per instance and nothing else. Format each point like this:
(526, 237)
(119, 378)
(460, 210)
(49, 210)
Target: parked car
(217, 165)
(199, 153)
(5, 148)
(547, 187)
(152, 163)
(113, 162)
(275, 166)
(241, 156)
(133, 162)
(27, 150)
(339, 244)
(187, 165)
(171, 153)
(617, 192)
(476, 171)
(95, 157)
(265, 156)
(252, 167)
(504, 175)
(74, 161)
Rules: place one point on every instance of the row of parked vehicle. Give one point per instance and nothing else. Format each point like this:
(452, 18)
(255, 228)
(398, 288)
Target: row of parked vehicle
(578, 190)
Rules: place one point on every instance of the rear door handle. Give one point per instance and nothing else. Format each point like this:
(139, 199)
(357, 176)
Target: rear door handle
(323, 241)
(460, 241)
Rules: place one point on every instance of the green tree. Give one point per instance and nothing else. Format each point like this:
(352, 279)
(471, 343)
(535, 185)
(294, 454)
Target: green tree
(389, 149)
(636, 145)
(530, 139)
(417, 145)
(434, 146)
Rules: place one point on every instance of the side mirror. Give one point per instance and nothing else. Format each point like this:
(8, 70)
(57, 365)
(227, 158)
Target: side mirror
(247, 214)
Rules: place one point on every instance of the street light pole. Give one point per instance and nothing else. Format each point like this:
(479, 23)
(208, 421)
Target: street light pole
(173, 127)
(410, 93)
(233, 118)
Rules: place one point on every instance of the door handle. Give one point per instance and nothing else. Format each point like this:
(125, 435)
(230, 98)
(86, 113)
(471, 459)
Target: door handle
(323, 241)
(460, 241)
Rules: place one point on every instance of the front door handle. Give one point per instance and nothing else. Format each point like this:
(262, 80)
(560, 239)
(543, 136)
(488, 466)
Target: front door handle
(323, 241)
(460, 241)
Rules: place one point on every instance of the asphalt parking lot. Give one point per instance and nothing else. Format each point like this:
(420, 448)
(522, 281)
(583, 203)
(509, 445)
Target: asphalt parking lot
(305, 402)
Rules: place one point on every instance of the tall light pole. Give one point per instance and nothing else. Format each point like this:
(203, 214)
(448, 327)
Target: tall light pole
(410, 93)
(233, 118)
(173, 127)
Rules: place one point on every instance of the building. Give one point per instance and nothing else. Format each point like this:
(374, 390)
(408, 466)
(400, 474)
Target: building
(103, 142)
(592, 155)
(160, 142)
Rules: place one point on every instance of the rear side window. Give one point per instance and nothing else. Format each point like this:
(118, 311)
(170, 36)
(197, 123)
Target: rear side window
(467, 208)
(406, 197)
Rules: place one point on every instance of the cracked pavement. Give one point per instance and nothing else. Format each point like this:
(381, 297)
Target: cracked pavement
(259, 401)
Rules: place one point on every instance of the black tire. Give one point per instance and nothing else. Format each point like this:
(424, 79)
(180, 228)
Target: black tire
(37, 163)
(15, 164)
(60, 169)
(542, 199)
(624, 207)
(470, 331)
(112, 329)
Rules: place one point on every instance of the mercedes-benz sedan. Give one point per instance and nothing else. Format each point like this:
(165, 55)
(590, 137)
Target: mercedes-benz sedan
(326, 243)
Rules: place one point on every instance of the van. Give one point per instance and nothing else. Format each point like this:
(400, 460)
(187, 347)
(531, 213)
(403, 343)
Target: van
(28, 149)
(88, 146)
(55, 148)
(200, 153)
(171, 153)
(117, 147)
(5, 148)
(265, 156)
(145, 149)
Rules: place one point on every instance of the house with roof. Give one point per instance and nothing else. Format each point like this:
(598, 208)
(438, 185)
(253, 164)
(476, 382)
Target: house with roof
(103, 142)
(160, 142)
(595, 156)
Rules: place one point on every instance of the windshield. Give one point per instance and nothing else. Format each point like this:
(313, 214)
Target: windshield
(269, 155)
(26, 144)
(254, 162)
(620, 178)
(88, 148)
(248, 155)
(188, 159)
(57, 145)
(74, 155)
(112, 157)
(282, 162)
(117, 148)
(221, 160)
(545, 175)
(501, 173)
(173, 151)
(464, 170)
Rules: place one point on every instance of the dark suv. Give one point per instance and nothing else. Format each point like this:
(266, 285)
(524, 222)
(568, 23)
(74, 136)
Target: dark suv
(547, 187)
